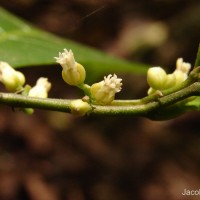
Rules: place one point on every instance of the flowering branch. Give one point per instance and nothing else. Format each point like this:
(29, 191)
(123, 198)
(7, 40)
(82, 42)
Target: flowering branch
(63, 105)
(154, 109)
(168, 95)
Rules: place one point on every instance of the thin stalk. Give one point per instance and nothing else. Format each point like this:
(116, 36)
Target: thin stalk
(63, 105)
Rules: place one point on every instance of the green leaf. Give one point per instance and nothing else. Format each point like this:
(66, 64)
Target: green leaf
(23, 45)
(197, 62)
(194, 104)
(187, 105)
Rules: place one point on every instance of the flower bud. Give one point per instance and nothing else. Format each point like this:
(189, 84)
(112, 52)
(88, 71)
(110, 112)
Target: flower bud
(79, 107)
(100, 95)
(73, 73)
(183, 66)
(182, 70)
(180, 76)
(12, 79)
(156, 77)
(41, 88)
(104, 91)
(74, 77)
(159, 80)
(170, 81)
(28, 111)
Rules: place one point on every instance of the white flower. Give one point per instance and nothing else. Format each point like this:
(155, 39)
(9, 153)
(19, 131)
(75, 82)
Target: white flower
(183, 66)
(156, 77)
(66, 60)
(112, 84)
(104, 91)
(182, 70)
(41, 88)
(12, 79)
(73, 73)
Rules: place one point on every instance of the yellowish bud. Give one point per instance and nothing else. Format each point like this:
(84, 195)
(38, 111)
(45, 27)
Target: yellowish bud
(79, 107)
(12, 79)
(182, 70)
(159, 80)
(73, 73)
(101, 96)
(182, 66)
(28, 111)
(170, 81)
(104, 91)
(41, 88)
(74, 77)
(180, 76)
(156, 77)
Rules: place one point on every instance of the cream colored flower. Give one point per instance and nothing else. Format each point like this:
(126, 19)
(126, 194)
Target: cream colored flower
(66, 60)
(181, 71)
(41, 88)
(104, 91)
(182, 66)
(73, 73)
(12, 79)
(156, 77)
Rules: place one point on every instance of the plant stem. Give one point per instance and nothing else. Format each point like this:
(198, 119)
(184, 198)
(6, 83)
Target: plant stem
(85, 88)
(119, 107)
(154, 106)
(16, 100)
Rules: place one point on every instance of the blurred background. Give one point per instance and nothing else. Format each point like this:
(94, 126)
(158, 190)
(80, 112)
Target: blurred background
(57, 156)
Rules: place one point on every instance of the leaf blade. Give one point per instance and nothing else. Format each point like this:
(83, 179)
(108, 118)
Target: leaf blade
(23, 45)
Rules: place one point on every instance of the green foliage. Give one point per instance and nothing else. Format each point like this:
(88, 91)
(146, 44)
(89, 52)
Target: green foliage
(23, 45)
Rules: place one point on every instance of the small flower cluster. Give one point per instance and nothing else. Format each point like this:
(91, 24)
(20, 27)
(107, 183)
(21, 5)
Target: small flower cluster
(14, 81)
(158, 79)
(104, 91)
(73, 73)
